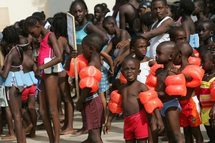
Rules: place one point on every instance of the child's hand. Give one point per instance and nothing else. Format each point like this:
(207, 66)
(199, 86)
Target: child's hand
(106, 127)
(118, 61)
(122, 44)
(160, 126)
(38, 72)
(74, 53)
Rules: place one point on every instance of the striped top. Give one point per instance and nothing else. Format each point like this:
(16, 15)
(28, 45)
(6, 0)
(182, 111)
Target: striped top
(205, 97)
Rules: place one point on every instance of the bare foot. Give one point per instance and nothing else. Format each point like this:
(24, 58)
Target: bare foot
(9, 138)
(28, 128)
(68, 131)
(81, 131)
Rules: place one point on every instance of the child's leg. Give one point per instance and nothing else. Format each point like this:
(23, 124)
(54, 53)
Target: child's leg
(15, 106)
(210, 133)
(188, 135)
(141, 141)
(197, 134)
(26, 120)
(172, 118)
(51, 85)
(130, 141)
(104, 102)
(68, 106)
(43, 108)
(95, 136)
(9, 121)
(33, 114)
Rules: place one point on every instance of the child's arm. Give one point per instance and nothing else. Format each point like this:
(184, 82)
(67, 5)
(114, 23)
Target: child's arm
(165, 26)
(93, 29)
(110, 61)
(7, 65)
(160, 124)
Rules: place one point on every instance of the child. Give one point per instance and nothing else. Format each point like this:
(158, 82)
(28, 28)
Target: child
(165, 54)
(48, 50)
(13, 75)
(135, 116)
(100, 10)
(59, 27)
(177, 34)
(205, 96)
(138, 50)
(90, 102)
(189, 117)
(79, 10)
(119, 35)
(199, 10)
(158, 32)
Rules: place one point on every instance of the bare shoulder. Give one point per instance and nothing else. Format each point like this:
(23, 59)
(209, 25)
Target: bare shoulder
(168, 22)
(142, 87)
(125, 8)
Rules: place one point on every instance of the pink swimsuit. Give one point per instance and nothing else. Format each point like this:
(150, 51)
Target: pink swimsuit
(44, 50)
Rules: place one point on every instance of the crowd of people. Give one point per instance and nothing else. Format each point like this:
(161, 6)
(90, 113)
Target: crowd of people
(150, 62)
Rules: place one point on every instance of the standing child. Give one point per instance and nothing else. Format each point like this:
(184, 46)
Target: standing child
(13, 75)
(49, 78)
(165, 54)
(133, 93)
(206, 96)
(189, 116)
(90, 103)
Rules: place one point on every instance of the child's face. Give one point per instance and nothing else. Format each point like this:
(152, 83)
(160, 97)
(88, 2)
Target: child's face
(140, 48)
(204, 31)
(35, 31)
(130, 70)
(87, 50)
(207, 64)
(98, 12)
(109, 27)
(162, 56)
(159, 9)
(180, 37)
(79, 13)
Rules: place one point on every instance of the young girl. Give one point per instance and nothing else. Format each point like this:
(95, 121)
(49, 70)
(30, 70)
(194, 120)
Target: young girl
(49, 79)
(13, 75)
(205, 97)
(79, 10)
(59, 27)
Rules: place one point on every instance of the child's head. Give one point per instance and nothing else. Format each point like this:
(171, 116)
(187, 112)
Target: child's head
(10, 35)
(109, 25)
(199, 7)
(139, 46)
(91, 43)
(59, 25)
(205, 30)
(100, 10)
(79, 10)
(34, 26)
(148, 19)
(207, 60)
(177, 34)
(41, 15)
(186, 7)
(185, 49)
(160, 8)
(166, 52)
(130, 68)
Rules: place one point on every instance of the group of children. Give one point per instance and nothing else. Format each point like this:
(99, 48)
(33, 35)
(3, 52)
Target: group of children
(147, 62)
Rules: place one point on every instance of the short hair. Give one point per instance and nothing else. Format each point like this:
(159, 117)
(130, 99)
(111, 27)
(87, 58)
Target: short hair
(187, 6)
(59, 24)
(173, 30)
(134, 40)
(95, 41)
(41, 15)
(163, 1)
(108, 18)
(130, 58)
(75, 2)
(32, 21)
(10, 35)
(103, 7)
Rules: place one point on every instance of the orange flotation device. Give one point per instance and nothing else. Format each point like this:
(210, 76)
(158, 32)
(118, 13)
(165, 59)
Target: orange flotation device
(115, 102)
(176, 85)
(194, 61)
(81, 62)
(155, 67)
(150, 100)
(196, 73)
(122, 79)
(212, 90)
(90, 77)
(151, 81)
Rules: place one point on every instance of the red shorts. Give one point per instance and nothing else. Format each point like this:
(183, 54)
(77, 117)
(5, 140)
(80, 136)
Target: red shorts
(27, 92)
(136, 126)
(189, 115)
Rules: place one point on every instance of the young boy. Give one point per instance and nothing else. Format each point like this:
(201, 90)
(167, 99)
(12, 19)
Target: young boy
(90, 102)
(135, 117)
(165, 54)
(189, 117)
(158, 32)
